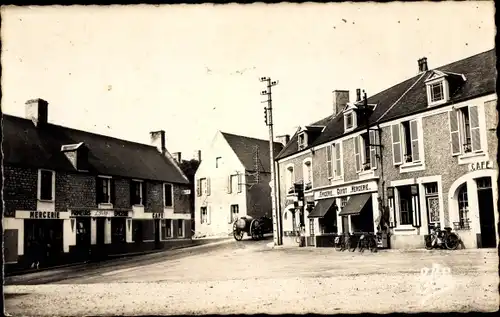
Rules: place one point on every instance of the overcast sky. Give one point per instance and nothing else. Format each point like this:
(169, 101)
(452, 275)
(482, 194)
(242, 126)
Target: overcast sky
(193, 70)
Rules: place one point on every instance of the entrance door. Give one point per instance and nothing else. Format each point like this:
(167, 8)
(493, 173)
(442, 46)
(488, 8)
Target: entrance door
(345, 224)
(99, 228)
(486, 213)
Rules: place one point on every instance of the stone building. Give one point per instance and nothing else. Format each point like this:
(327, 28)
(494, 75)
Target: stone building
(68, 193)
(418, 154)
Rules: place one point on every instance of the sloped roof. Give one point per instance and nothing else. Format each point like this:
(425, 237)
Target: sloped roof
(245, 149)
(26, 145)
(410, 96)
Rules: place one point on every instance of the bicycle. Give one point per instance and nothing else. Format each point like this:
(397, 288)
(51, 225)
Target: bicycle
(442, 239)
(343, 242)
(367, 241)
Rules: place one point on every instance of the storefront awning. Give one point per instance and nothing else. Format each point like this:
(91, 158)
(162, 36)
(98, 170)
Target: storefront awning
(355, 204)
(321, 208)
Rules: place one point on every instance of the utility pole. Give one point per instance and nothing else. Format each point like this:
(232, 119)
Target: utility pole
(269, 122)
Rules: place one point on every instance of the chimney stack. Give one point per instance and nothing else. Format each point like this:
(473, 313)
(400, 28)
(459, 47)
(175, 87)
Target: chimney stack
(422, 65)
(358, 95)
(178, 157)
(158, 140)
(340, 100)
(198, 156)
(283, 139)
(37, 111)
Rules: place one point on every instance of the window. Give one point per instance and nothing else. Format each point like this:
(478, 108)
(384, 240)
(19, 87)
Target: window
(46, 187)
(329, 161)
(118, 230)
(290, 179)
(432, 202)
(217, 162)
(366, 152)
(343, 201)
(406, 142)
(334, 160)
(465, 130)
(348, 121)
(483, 183)
(166, 229)
(136, 193)
(302, 140)
(180, 228)
(362, 152)
(203, 187)
(168, 194)
(204, 215)
(463, 208)
(234, 213)
(405, 205)
(104, 190)
(311, 227)
(307, 175)
(234, 184)
(437, 93)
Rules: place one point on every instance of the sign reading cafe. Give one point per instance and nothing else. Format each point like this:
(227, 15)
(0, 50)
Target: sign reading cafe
(347, 190)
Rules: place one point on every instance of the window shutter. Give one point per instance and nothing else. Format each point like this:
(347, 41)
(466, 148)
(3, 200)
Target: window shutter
(338, 156)
(209, 214)
(329, 161)
(239, 183)
(198, 187)
(229, 188)
(112, 188)
(357, 154)
(474, 128)
(98, 190)
(415, 142)
(373, 149)
(454, 132)
(396, 144)
(208, 186)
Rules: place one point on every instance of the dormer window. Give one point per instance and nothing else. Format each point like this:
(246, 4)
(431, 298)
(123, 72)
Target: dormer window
(438, 86)
(77, 154)
(302, 140)
(348, 121)
(437, 93)
(350, 118)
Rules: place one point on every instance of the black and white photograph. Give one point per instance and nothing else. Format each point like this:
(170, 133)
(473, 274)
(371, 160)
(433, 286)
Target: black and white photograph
(286, 158)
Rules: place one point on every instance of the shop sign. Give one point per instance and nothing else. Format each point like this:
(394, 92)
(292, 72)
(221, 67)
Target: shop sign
(480, 165)
(186, 192)
(157, 215)
(44, 215)
(347, 190)
(121, 213)
(80, 213)
(102, 213)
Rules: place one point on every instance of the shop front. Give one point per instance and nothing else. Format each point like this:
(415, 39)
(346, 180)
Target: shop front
(349, 209)
(109, 231)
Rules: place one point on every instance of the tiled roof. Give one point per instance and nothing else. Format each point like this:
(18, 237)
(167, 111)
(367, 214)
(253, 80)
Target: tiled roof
(244, 147)
(410, 96)
(26, 145)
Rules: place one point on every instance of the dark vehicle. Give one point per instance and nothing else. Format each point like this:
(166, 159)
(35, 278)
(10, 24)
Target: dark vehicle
(442, 239)
(255, 228)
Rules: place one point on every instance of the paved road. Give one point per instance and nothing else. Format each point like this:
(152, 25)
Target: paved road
(249, 277)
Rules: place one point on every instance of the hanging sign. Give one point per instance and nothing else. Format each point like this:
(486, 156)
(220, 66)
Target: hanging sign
(483, 165)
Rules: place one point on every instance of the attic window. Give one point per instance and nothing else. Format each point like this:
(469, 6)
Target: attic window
(302, 140)
(437, 93)
(348, 120)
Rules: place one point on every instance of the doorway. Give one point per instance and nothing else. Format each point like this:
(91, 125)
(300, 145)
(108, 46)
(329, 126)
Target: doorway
(99, 232)
(157, 234)
(486, 212)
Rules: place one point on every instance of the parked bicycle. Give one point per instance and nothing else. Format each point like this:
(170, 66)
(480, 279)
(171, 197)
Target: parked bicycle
(442, 239)
(367, 241)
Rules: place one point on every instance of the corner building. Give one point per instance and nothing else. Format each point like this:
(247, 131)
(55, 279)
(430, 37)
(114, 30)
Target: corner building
(416, 155)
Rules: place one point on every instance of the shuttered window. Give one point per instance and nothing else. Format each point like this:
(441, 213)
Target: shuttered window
(396, 144)
(357, 154)
(465, 132)
(329, 161)
(338, 159)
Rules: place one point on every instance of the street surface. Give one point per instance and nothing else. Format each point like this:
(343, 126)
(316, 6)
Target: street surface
(250, 277)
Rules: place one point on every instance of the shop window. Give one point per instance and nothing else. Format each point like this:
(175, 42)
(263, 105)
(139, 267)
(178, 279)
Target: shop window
(405, 205)
(234, 213)
(118, 230)
(180, 228)
(136, 193)
(432, 202)
(46, 187)
(168, 194)
(166, 229)
(463, 209)
(143, 230)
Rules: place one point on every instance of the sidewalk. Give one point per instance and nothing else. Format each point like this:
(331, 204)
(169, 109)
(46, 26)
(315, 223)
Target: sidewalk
(125, 259)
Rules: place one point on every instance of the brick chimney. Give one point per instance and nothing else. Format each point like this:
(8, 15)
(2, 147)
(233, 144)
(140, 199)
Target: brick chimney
(358, 95)
(37, 111)
(197, 155)
(177, 156)
(422, 65)
(158, 140)
(283, 139)
(340, 100)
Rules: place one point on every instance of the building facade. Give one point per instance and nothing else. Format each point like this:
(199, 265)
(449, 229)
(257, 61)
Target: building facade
(71, 194)
(419, 154)
(232, 181)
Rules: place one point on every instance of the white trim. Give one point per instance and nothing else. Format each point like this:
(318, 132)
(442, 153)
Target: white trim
(39, 186)
(105, 176)
(138, 180)
(172, 195)
(402, 182)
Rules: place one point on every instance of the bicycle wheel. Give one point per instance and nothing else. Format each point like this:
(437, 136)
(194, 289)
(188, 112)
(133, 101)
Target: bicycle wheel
(373, 245)
(428, 242)
(451, 241)
(338, 243)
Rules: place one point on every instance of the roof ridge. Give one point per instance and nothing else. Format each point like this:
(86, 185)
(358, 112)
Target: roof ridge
(84, 131)
(247, 137)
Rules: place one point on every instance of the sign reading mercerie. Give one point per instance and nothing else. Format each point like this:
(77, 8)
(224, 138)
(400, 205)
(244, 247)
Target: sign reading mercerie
(44, 215)
(345, 190)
